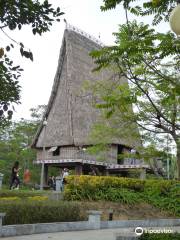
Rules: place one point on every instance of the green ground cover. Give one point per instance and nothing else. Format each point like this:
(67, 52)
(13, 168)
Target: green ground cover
(162, 194)
(38, 209)
(160, 236)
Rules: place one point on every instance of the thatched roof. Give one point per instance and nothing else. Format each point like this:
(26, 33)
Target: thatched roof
(70, 116)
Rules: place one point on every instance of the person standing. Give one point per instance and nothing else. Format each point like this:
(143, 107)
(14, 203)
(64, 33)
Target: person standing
(27, 176)
(15, 175)
(53, 183)
(133, 156)
(65, 174)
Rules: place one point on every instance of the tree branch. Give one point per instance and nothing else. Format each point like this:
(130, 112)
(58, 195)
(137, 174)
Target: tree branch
(9, 36)
(149, 98)
(150, 130)
(154, 69)
(3, 26)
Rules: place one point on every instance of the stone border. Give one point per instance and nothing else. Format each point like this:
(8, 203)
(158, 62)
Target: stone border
(26, 229)
(2, 215)
(93, 222)
(141, 223)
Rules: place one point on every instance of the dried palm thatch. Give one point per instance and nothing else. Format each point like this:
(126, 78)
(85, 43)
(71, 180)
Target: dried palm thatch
(69, 115)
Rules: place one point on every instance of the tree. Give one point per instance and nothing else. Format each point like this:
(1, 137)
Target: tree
(14, 14)
(160, 10)
(15, 142)
(151, 64)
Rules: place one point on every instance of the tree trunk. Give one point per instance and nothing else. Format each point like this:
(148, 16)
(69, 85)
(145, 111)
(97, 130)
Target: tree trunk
(178, 157)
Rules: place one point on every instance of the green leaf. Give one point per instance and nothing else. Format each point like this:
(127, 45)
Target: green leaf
(8, 48)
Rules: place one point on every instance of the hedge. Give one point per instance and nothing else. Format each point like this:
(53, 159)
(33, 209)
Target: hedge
(26, 212)
(21, 193)
(163, 194)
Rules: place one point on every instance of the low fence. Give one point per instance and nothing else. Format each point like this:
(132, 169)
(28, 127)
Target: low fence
(94, 222)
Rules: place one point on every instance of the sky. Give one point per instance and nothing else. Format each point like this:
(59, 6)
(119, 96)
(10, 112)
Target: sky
(38, 76)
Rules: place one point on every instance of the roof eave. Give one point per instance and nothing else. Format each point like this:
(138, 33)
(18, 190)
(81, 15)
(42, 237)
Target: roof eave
(54, 90)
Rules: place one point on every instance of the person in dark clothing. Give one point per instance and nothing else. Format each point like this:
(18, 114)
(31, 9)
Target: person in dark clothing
(15, 175)
(52, 182)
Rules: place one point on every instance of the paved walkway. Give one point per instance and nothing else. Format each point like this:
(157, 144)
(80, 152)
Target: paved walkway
(105, 234)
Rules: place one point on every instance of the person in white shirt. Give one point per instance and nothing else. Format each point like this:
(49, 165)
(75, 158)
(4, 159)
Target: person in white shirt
(65, 174)
(133, 153)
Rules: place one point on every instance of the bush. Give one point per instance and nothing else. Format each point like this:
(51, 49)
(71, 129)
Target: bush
(19, 212)
(104, 188)
(163, 194)
(160, 236)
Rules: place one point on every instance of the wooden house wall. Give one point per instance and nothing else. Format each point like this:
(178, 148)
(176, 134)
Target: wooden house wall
(76, 153)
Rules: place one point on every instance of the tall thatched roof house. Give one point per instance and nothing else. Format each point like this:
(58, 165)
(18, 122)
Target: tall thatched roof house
(70, 116)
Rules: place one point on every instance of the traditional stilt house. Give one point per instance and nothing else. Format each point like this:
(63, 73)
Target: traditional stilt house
(62, 141)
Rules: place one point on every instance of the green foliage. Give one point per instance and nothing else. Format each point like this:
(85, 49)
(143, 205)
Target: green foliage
(140, 55)
(157, 160)
(160, 10)
(103, 188)
(150, 63)
(22, 194)
(160, 236)
(14, 14)
(14, 146)
(160, 193)
(37, 113)
(164, 196)
(10, 89)
(15, 141)
(115, 122)
(19, 212)
(40, 16)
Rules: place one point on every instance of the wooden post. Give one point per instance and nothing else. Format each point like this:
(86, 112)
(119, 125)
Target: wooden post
(44, 156)
(45, 174)
(110, 217)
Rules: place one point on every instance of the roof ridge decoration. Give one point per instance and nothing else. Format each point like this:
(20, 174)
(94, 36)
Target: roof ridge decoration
(83, 33)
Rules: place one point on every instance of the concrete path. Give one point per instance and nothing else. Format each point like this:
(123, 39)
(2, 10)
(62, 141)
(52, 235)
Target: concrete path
(104, 234)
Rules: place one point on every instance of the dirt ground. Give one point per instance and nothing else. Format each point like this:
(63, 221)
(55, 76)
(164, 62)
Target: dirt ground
(125, 212)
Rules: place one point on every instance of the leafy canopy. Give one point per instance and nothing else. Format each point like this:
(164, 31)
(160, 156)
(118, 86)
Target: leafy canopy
(159, 9)
(140, 56)
(150, 61)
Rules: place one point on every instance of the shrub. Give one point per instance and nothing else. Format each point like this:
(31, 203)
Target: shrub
(20, 193)
(24, 212)
(160, 236)
(38, 198)
(104, 188)
(9, 199)
(163, 194)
